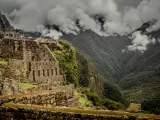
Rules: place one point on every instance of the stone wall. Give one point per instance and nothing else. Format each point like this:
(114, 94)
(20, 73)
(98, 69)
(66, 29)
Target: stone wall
(58, 96)
(18, 68)
(9, 87)
(46, 99)
(32, 114)
(11, 48)
(32, 60)
(43, 98)
(44, 68)
(68, 88)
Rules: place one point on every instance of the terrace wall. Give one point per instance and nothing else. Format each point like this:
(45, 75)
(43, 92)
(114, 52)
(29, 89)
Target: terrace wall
(32, 114)
(45, 99)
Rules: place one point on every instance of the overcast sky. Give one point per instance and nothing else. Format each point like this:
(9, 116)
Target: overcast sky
(122, 3)
(121, 16)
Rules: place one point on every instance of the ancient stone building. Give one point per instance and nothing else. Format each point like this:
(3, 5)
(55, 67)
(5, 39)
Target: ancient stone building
(31, 59)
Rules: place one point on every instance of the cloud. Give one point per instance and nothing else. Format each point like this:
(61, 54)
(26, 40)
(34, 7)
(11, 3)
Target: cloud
(121, 17)
(154, 27)
(140, 42)
(51, 33)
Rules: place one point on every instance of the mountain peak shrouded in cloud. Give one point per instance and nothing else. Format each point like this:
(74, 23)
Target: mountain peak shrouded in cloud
(28, 14)
(119, 17)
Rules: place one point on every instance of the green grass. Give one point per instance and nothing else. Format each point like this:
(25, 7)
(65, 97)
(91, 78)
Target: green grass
(3, 62)
(133, 107)
(27, 86)
(80, 111)
(112, 105)
(88, 98)
(83, 100)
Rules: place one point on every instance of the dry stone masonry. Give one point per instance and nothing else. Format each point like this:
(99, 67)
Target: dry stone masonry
(31, 61)
(32, 114)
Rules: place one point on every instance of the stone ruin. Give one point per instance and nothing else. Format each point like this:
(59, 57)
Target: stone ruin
(31, 61)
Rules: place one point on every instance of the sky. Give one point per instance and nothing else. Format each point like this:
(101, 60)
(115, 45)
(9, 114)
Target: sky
(30, 14)
(120, 16)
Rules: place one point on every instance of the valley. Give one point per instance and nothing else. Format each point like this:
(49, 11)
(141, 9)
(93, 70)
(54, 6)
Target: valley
(85, 76)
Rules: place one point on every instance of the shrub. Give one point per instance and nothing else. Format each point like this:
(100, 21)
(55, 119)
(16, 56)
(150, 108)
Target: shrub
(102, 102)
(66, 56)
(112, 105)
(152, 106)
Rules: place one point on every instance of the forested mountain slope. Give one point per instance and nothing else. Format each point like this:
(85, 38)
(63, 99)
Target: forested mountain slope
(136, 73)
(105, 52)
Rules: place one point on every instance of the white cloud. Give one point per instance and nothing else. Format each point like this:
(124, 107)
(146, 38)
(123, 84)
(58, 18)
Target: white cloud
(51, 33)
(140, 42)
(29, 14)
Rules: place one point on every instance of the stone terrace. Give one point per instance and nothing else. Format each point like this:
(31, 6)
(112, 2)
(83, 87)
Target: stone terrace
(31, 61)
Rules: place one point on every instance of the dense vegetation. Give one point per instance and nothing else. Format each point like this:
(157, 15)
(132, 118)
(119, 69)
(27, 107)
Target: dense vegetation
(102, 102)
(105, 52)
(143, 84)
(80, 71)
(135, 72)
(88, 75)
(152, 105)
(66, 56)
(113, 93)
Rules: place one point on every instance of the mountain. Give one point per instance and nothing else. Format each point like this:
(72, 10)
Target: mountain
(4, 23)
(136, 73)
(80, 70)
(105, 52)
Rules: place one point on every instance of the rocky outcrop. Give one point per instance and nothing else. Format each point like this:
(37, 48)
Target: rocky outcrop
(9, 86)
(88, 76)
(4, 23)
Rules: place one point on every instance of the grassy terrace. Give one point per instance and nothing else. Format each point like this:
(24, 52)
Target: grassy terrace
(27, 94)
(3, 62)
(80, 111)
(27, 86)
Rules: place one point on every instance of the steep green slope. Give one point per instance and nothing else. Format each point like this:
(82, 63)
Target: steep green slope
(136, 73)
(66, 56)
(142, 76)
(88, 75)
(89, 78)
(81, 71)
(105, 52)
